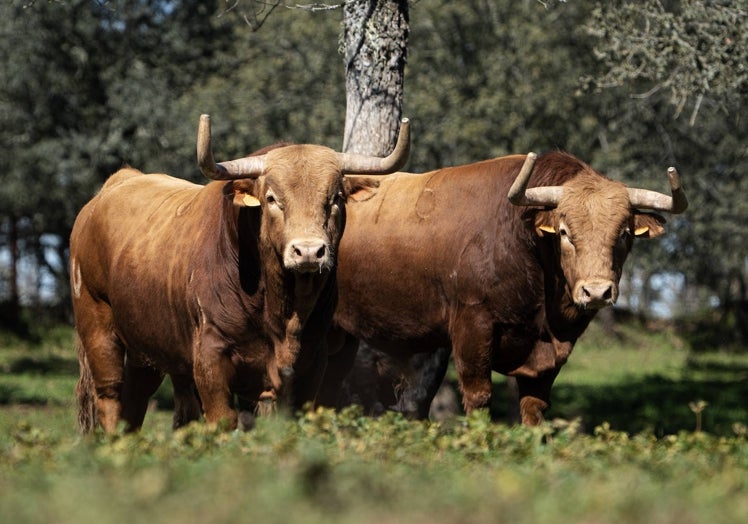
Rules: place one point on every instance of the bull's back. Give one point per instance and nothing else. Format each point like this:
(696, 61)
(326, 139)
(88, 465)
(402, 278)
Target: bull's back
(424, 246)
(130, 249)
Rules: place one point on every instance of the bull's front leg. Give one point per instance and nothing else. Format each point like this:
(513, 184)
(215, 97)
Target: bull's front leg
(308, 384)
(472, 334)
(535, 396)
(342, 350)
(214, 372)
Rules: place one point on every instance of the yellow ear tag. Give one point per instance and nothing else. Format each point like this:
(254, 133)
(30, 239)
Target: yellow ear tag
(547, 229)
(250, 201)
(639, 231)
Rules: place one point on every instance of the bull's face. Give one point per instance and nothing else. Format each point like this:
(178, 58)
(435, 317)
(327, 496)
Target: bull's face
(300, 190)
(592, 230)
(301, 195)
(592, 222)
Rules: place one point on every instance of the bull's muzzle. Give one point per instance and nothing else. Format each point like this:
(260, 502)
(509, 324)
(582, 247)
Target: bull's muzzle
(307, 255)
(595, 293)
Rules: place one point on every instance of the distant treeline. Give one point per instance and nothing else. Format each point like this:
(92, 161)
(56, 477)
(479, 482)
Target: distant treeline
(90, 86)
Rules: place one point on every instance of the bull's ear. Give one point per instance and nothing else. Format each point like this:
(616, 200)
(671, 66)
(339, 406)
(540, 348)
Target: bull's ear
(544, 223)
(360, 187)
(648, 225)
(242, 192)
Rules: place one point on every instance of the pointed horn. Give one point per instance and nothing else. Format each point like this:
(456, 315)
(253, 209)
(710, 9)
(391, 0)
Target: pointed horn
(248, 167)
(519, 195)
(675, 204)
(373, 165)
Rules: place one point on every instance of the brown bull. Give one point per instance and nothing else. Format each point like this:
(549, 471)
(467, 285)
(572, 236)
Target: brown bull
(445, 259)
(229, 286)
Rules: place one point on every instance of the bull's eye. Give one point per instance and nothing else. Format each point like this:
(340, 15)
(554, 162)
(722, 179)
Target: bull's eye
(564, 234)
(334, 204)
(272, 201)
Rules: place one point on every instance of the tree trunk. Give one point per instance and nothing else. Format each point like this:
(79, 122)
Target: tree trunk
(10, 306)
(375, 36)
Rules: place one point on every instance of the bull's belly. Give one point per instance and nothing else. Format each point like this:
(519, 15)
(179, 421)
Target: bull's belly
(405, 346)
(397, 331)
(168, 355)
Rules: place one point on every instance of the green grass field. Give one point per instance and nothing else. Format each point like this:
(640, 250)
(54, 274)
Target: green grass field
(620, 446)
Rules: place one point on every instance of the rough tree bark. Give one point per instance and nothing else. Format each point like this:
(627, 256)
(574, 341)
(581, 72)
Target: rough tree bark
(375, 40)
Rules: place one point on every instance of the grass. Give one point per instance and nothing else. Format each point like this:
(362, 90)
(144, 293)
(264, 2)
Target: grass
(37, 373)
(643, 378)
(620, 447)
(326, 467)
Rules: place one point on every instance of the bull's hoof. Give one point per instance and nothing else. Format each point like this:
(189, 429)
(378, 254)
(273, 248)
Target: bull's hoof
(246, 420)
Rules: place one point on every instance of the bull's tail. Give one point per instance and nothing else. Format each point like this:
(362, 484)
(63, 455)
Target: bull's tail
(85, 392)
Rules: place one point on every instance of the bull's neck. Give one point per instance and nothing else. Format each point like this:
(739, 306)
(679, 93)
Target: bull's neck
(290, 298)
(564, 319)
(287, 298)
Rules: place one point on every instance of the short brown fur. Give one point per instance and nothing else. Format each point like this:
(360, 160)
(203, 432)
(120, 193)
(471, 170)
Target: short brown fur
(442, 259)
(169, 277)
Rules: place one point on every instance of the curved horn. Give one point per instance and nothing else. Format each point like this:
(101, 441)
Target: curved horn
(675, 204)
(519, 195)
(247, 167)
(373, 165)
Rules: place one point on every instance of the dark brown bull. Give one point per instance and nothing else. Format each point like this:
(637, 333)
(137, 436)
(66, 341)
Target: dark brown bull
(231, 284)
(445, 259)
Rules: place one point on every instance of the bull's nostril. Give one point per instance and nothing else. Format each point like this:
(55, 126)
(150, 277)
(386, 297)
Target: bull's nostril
(310, 252)
(596, 292)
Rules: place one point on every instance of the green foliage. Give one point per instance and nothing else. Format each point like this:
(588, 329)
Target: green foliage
(324, 467)
(690, 48)
(486, 79)
(106, 83)
(284, 82)
(319, 466)
(38, 372)
(90, 86)
(661, 59)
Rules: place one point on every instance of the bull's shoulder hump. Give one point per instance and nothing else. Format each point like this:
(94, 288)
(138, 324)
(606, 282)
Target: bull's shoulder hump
(132, 178)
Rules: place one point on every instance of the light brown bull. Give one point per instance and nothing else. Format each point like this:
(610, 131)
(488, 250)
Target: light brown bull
(231, 284)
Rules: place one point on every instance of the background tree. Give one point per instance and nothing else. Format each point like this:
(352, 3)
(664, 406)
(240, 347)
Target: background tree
(91, 90)
(375, 43)
(107, 83)
(682, 69)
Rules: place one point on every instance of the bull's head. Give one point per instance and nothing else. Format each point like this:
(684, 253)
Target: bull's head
(301, 190)
(594, 221)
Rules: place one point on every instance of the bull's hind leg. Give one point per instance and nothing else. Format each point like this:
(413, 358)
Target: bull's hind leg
(105, 357)
(139, 386)
(472, 335)
(187, 407)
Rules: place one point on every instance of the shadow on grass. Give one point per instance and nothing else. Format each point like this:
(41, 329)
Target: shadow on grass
(716, 372)
(49, 365)
(650, 403)
(655, 403)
